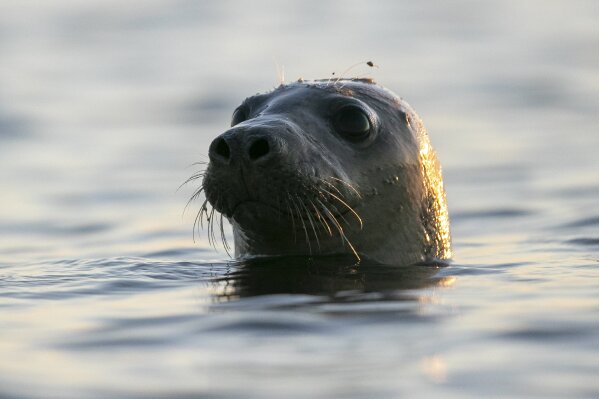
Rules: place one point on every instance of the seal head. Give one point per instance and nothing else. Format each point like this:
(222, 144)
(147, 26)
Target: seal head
(329, 167)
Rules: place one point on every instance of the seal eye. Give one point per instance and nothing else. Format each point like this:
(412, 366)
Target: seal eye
(352, 122)
(239, 115)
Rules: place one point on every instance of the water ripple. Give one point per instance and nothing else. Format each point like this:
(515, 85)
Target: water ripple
(587, 242)
(70, 278)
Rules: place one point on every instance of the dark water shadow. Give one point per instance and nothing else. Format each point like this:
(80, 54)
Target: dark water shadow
(323, 276)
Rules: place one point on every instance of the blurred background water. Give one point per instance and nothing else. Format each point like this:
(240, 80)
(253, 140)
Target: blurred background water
(105, 106)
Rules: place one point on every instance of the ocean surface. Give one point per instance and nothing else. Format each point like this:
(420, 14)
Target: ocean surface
(105, 106)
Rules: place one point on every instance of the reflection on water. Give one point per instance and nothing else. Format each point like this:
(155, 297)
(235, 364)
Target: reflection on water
(331, 277)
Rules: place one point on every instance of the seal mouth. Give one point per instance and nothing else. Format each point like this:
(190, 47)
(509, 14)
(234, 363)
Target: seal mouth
(250, 202)
(301, 196)
(296, 213)
(242, 206)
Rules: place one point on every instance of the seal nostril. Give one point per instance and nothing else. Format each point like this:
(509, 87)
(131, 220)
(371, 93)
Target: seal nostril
(258, 149)
(222, 149)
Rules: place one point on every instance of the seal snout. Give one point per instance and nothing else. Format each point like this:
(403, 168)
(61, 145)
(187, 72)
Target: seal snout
(246, 147)
(247, 163)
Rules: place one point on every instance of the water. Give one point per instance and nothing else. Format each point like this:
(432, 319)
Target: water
(104, 106)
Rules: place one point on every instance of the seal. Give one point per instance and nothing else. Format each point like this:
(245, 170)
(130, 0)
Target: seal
(328, 167)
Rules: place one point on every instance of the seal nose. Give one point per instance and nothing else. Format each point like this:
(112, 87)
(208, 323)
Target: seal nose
(220, 150)
(258, 148)
(242, 146)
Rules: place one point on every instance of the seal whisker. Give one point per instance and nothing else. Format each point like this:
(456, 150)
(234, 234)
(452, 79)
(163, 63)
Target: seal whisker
(348, 186)
(204, 208)
(308, 213)
(292, 217)
(323, 222)
(223, 238)
(193, 177)
(211, 236)
(193, 198)
(299, 215)
(330, 204)
(358, 218)
(337, 213)
(344, 238)
(208, 226)
(198, 220)
(330, 185)
(210, 215)
(195, 225)
(331, 218)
